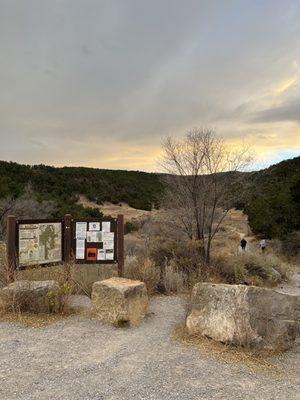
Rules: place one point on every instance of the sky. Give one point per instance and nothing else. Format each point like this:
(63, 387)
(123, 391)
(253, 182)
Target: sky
(100, 83)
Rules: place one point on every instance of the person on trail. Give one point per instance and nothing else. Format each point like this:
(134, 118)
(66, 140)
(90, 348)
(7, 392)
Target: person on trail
(243, 244)
(262, 245)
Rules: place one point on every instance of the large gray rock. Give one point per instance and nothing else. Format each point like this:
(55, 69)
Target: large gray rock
(119, 300)
(78, 304)
(31, 296)
(245, 315)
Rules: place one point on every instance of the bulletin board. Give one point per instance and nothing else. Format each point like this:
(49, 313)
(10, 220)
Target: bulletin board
(95, 241)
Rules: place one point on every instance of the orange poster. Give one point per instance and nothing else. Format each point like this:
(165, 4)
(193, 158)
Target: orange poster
(91, 254)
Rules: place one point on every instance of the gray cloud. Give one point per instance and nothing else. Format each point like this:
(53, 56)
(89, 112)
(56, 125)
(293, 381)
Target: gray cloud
(118, 74)
(289, 111)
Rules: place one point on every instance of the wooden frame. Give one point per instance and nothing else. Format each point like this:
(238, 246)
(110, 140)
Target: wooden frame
(113, 221)
(19, 222)
(67, 240)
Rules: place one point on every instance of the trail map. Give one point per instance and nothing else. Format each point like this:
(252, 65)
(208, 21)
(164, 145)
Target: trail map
(40, 243)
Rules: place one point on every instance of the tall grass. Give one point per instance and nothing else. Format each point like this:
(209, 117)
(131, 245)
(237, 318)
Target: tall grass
(142, 269)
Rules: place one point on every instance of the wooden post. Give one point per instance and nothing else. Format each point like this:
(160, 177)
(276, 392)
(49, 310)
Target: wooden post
(120, 245)
(67, 249)
(11, 247)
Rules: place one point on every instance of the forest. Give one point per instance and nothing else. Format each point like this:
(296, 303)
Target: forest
(272, 199)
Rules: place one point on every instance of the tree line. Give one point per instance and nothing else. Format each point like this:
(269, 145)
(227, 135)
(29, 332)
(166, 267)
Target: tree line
(270, 197)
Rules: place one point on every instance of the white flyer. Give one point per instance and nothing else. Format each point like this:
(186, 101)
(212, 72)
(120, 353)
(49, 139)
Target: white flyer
(106, 226)
(107, 236)
(109, 254)
(101, 254)
(80, 249)
(108, 244)
(29, 233)
(94, 236)
(81, 228)
(94, 226)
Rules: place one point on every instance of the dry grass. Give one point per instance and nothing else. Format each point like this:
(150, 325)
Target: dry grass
(174, 280)
(114, 209)
(142, 269)
(64, 275)
(254, 268)
(256, 362)
(31, 320)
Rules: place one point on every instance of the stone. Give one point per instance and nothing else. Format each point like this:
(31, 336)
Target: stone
(249, 316)
(79, 304)
(32, 296)
(119, 301)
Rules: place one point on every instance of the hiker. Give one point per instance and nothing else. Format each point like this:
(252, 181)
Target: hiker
(262, 245)
(243, 244)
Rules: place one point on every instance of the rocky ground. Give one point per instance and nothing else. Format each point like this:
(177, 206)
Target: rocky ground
(78, 358)
(293, 286)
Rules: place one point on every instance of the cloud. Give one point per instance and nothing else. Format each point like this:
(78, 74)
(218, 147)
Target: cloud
(289, 111)
(287, 84)
(95, 82)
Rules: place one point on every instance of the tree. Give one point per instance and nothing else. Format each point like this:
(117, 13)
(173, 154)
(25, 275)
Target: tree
(25, 206)
(202, 175)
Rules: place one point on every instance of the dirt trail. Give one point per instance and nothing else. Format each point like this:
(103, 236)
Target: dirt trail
(293, 286)
(80, 359)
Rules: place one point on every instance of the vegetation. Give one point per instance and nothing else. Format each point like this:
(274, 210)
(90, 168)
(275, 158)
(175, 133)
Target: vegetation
(272, 199)
(63, 185)
(253, 269)
(171, 266)
(142, 270)
(203, 172)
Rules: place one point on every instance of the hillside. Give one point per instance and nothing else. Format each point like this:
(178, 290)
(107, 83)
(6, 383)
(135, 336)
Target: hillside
(272, 199)
(64, 185)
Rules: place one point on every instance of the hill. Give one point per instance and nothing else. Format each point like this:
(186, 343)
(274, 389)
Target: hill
(64, 185)
(272, 201)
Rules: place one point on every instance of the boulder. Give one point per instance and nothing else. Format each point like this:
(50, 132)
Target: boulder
(119, 301)
(78, 304)
(245, 315)
(31, 296)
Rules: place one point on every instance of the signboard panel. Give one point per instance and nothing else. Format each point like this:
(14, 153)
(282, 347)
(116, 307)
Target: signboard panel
(47, 241)
(95, 241)
(40, 243)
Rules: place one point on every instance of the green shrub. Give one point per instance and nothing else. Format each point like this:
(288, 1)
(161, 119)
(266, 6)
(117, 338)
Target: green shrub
(291, 245)
(130, 227)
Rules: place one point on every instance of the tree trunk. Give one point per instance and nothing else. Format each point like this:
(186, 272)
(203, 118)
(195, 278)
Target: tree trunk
(207, 252)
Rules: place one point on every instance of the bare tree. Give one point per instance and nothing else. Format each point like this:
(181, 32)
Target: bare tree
(202, 173)
(25, 206)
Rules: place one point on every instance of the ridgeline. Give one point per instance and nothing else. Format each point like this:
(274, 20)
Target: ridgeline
(272, 201)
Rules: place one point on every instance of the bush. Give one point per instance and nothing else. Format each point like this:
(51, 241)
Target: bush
(291, 246)
(173, 280)
(254, 269)
(186, 254)
(130, 227)
(144, 270)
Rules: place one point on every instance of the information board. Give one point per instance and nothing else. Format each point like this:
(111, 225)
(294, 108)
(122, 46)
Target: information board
(40, 243)
(95, 241)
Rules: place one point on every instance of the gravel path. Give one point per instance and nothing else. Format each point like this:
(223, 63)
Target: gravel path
(82, 359)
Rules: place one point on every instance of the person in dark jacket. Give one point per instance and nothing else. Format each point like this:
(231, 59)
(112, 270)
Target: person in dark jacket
(243, 244)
